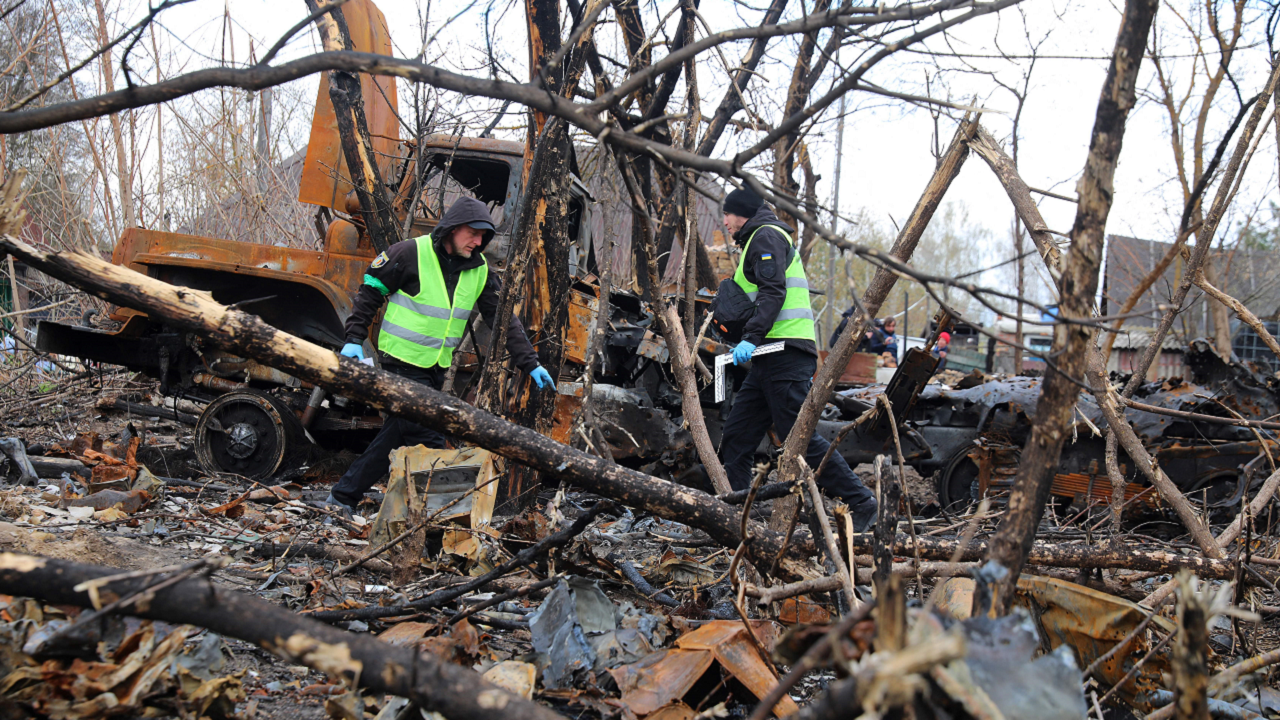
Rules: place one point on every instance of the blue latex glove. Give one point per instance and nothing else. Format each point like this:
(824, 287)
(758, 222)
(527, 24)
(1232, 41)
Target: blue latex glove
(353, 350)
(542, 378)
(742, 353)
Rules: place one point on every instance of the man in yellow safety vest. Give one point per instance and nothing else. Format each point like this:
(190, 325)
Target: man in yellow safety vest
(771, 274)
(431, 285)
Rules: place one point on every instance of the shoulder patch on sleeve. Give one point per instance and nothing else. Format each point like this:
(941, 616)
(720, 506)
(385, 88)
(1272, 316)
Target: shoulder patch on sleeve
(766, 256)
(379, 261)
(766, 268)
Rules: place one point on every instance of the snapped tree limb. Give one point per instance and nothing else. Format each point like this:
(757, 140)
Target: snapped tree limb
(237, 330)
(1146, 464)
(453, 691)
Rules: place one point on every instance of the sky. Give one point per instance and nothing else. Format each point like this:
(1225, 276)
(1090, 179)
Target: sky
(887, 157)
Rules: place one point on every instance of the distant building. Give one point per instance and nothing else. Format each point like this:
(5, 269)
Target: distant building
(1035, 337)
(1132, 341)
(1251, 276)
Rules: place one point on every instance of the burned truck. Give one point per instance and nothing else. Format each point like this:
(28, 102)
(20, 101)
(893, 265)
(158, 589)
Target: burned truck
(969, 439)
(258, 420)
(256, 416)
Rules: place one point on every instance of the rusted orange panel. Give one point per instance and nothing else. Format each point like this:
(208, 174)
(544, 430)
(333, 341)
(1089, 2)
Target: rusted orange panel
(727, 641)
(666, 676)
(337, 276)
(321, 185)
(582, 310)
(1077, 485)
(567, 407)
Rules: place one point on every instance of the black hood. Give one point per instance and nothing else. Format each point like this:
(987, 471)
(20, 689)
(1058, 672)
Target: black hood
(464, 211)
(763, 216)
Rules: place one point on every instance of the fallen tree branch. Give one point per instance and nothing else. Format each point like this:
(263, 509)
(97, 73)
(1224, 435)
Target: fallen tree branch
(1142, 459)
(1086, 557)
(521, 591)
(453, 691)
(248, 335)
(319, 552)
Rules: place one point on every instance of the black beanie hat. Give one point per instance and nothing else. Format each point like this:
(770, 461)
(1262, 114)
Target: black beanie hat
(742, 203)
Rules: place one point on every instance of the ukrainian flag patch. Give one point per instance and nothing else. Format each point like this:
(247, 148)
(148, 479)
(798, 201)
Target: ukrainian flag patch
(766, 257)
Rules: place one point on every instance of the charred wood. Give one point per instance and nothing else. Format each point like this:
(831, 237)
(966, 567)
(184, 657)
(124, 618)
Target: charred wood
(453, 691)
(443, 597)
(1043, 450)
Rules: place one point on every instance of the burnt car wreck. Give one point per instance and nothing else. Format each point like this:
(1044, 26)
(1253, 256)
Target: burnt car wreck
(257, 421)
(968, 439)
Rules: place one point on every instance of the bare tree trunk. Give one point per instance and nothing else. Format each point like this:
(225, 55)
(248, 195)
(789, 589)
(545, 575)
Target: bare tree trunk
(353, 128)
(1040, 455)
(1218, 314)
(124, 169)
(545, 290)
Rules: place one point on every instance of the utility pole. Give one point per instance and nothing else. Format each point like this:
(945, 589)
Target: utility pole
(828, 311)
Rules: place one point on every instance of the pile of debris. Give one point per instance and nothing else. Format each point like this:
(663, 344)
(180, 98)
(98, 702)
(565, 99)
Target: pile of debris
(575, 603)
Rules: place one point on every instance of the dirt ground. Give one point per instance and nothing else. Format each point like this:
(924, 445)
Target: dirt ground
(181, 524)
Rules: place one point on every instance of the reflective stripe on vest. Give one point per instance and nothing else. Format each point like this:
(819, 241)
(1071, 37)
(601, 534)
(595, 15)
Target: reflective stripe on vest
(795, 318)
(424, 329)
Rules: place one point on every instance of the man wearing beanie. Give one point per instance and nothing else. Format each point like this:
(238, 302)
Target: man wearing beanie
(770, 272)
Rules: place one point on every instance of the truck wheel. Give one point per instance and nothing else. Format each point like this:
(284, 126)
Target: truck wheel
(957, 484)
(248, 434)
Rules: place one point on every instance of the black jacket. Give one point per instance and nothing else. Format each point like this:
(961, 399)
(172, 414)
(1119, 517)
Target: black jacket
(769, 274)
(397, 269)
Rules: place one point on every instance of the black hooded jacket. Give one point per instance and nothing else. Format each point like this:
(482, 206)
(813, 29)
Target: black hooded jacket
(397, 270)
(765, 265)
